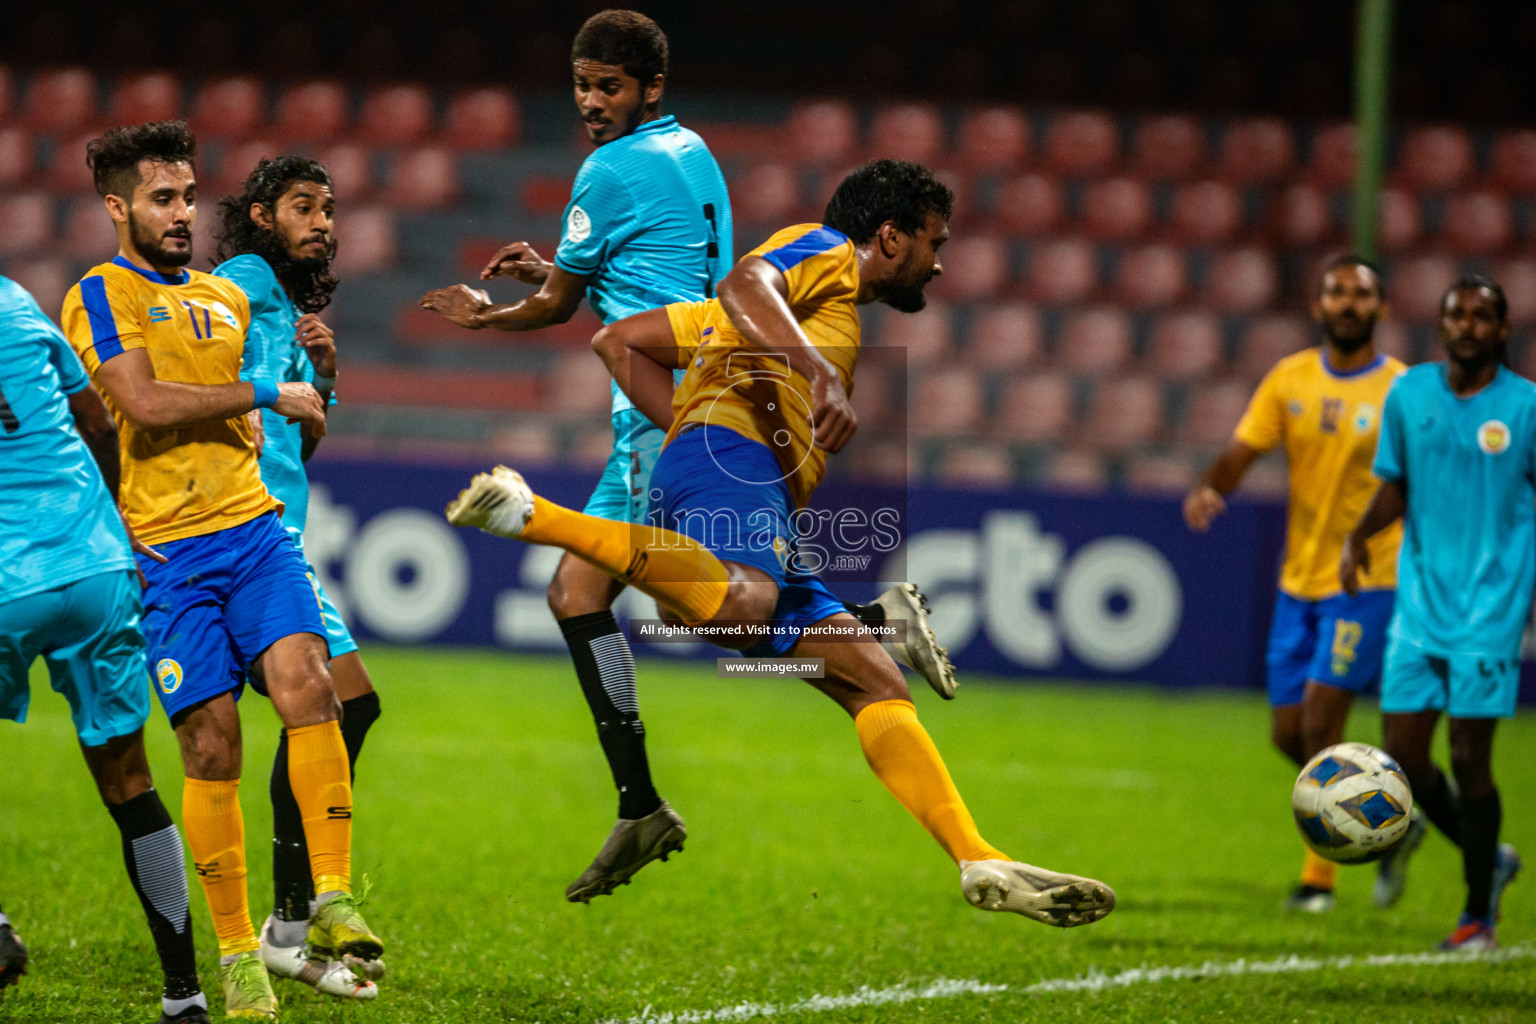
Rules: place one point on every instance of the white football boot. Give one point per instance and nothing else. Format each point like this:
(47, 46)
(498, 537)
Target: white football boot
(920, 650)
(1049, 897)
(499, 502)
(332, 977)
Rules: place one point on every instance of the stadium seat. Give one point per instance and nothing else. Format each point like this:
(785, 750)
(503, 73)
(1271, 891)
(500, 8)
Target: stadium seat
(67, 172)
(1062, 272)
(1035, 407)
(1185, 345)
(48, 280)
(1241, 281)
(397, 115)
(7, 94)
(1124, 412)
(926, 337)
(1256, 151)
(975, 464)
(544, 194)
(975, 267)
(1518, 278)
(1394, 338)
(422, 179)
(313, 111)
(482, 119)
(232, 108)
(26, 222)
(1116, 209)
(1150, 276)
(1299, 215)
(1399, 225)
(1168, 147)
(1268, 339)
(1206, 212)
(909, 131)
(155, 96)
(16, 162)
(578, 384)
(1331, 161)
(1477, 223)
(942, 403)
(1004, 336)
(89, 237)
(1082, 144)
(1512, 163)
(1160, 475)
(60, 101)
(525, 442)
(590, 446)
(1095, 340)
(1031, 204)
(766, 194)
(1212, 413)
(238, 161)
(874, 397)
(1417, 285)
(994, 140)
(822, 132)
(367, 241)
(1076, 471)
(1435, 159)
(417, 386)
(351, 170)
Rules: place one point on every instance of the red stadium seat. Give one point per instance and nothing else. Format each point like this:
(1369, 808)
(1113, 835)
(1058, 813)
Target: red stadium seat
(482, 119)
(1035, 407)
(945, 402)
(1255, 151)
(1168, 147)
(60, 101)
(351, 170)
(367, 241)
(418, 386)
(529, 442)
(1205, 212)
(823, 132)
(1116, 208)
(155, 96)
(1082, 144)
(926, 336)
(47, 280)
(1512, 165)
(1029, 205)
(1077, 471)
(239, 161)
(1004, 336)
(545, 193)
(993, 140)
(873, 398)
(975, 267)
(1095, 341)
(1435, 159)
(233, 108)
(975, 464)
(1268, 339)
(1393, 338)
(1242, 281)
(422, 179)
(765, 194)
(1062, 272)
(1477, 223)
(1124, 412)
(1160, 474)
(1417, 285)
(1150, 276)
(1400, 225)
(578, 384)
(1185, 346)
(1332, 157)
(313, 111)
(16, 163)
(398, 115)
(26, 223)
(1518, 278)
(1300, 215)
(910, 131)
(68, 172)
(7, 93)
(1213, 412)
(89, 236)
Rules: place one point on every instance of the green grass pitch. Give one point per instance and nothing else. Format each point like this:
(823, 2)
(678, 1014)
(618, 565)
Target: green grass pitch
(482, 793)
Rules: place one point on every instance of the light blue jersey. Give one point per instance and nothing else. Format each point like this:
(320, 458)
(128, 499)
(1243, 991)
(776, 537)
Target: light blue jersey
(1468, 465)
(57, 522)
(649, 223)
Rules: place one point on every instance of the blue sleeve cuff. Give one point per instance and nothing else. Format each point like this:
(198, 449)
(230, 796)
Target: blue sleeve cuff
(266, 394)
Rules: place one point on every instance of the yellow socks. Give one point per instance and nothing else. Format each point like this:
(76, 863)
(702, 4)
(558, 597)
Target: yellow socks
(322, 787)
(904, 758)
(676, 570)
(1318, 872)
(210, 813)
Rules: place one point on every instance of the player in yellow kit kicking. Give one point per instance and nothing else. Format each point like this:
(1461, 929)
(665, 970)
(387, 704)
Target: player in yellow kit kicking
(164, 346)
(763, 401)
(1324, 405)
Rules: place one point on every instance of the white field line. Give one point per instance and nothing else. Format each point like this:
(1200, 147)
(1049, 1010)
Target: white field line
(1093, 981)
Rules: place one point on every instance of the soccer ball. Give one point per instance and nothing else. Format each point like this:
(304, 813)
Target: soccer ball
(1352, 803)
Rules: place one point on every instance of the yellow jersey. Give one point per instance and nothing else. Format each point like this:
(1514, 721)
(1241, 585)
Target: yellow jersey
(191, 480)
(732, 383)
(1328, 422)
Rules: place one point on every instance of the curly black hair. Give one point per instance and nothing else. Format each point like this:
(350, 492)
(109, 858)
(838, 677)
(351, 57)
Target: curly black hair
(309, 282)
(114, 156)
(1351, 260)
(899, 191)
(627, 39)
(1482, 281)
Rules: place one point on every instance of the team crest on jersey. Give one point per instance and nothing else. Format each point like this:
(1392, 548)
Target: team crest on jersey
(1365, 417)
(1493, 437)
(226, 314)
(578, 225)
(1295, 408)
(168, 675)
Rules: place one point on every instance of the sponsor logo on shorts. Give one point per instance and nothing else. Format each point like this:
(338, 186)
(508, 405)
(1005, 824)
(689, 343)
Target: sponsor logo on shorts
(168, 675)
(1493, 437)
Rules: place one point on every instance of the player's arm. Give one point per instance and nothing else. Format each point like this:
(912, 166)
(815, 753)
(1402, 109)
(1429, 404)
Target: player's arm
(554, 303)
(755, 295)
(319, 344)
(1207, 499)
(99, 432)
(153, 404)
(641, 352)
(1387, 506)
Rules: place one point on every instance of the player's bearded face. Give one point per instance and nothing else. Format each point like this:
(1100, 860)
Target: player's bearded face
(1471, 327)
(1349, 306)
(304, 221)
(612, 103)
(904, 293)
(162, 213)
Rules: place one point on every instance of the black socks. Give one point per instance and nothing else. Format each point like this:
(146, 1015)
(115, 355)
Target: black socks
(606, 669)
(1480, 820)
(152, 851)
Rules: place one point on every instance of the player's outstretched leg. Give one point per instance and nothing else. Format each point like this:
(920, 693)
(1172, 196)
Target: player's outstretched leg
(13, 954)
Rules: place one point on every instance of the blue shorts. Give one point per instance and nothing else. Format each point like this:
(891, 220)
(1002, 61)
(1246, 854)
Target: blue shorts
(1337, 641)
(1464, 685)
(621, 492)
(88, 633)
(337, 636)
(728, 493)
(221, 600)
